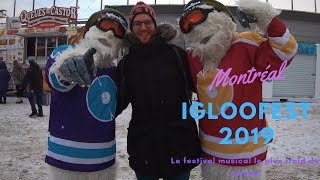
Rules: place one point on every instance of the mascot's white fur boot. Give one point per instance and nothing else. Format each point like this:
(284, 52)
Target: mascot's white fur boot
(60, 174)
(222, 172)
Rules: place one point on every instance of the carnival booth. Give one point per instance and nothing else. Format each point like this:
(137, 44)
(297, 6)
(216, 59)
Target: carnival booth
(45, 29)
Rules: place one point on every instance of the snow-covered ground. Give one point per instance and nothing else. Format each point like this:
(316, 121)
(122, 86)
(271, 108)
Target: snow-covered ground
(23, 144)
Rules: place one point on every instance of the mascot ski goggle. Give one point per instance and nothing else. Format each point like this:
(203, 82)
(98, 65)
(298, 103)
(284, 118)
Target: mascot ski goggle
(193, 17)
(116, 23)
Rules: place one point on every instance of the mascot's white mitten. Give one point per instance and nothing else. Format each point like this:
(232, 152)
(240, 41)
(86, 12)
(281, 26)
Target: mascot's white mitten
(262, 11)
(76, 69)
(81, 143)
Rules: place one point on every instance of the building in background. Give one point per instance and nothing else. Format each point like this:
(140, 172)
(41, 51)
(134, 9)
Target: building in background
(45, 29)
(302, 81)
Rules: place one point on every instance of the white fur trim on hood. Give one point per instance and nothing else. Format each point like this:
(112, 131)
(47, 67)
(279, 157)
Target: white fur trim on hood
(263, 11)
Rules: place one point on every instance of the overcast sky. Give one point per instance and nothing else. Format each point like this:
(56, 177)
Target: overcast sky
(87, 7)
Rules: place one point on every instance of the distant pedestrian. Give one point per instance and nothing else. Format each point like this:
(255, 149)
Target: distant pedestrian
(32, 82)
(4, 82)
(18, 75)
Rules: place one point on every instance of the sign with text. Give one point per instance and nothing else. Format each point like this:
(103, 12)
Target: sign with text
(13, 23)
(49, 17)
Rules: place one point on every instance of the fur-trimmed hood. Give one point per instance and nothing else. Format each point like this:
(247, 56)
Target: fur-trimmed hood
(167, 31)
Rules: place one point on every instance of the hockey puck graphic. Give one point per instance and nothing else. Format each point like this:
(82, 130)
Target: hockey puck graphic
(101, 98)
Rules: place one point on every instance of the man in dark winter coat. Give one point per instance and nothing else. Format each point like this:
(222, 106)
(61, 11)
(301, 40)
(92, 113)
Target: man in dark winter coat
(33, 83)
(18, 75)
(4, 82)
(155, 80)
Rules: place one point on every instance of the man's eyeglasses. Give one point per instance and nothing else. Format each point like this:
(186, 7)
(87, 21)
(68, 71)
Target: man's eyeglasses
(107, 24)
(138, 24)
(191, 18)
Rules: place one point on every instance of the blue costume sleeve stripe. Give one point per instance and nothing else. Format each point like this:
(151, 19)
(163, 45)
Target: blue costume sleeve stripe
(81, 153)
(58, 50)
(58, 85)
